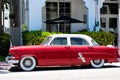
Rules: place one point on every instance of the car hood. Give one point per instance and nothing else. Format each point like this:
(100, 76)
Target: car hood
(23, 48)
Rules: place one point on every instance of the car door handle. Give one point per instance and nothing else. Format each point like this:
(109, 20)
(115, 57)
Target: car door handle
(67, 47)
(91, 47)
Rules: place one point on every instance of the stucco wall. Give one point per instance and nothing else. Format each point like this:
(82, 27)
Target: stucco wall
(43, 19)
(78, 11)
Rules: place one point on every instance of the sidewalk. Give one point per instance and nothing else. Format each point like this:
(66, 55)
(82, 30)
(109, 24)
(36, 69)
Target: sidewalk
(5, 66)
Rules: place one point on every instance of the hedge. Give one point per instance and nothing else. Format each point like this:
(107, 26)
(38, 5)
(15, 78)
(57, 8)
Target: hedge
(4, 44)
(37, 37)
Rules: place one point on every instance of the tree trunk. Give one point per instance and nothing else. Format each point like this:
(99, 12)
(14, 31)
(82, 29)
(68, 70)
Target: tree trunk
(1, 16)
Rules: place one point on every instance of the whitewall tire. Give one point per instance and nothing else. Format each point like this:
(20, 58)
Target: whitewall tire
(28, 63)
(97, 63)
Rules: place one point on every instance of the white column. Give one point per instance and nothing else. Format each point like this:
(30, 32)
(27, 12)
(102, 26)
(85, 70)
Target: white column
(93, 14)
(119, 27)
(42, 15)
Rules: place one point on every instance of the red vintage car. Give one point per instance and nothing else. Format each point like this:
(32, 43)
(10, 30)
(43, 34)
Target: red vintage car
(63, 50)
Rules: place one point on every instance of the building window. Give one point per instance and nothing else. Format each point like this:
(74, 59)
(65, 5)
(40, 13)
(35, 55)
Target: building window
(56, 10)
(51, 10)
(109, 8)
(109, 24)
(113, 23)
(64, 9)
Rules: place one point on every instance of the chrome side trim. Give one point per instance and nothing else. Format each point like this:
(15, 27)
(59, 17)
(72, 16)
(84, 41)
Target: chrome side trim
(81, 57)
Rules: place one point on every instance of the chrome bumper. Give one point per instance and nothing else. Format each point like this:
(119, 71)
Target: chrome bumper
(10, 59)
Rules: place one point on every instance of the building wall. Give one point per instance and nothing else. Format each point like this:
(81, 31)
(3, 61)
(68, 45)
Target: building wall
(78, 11)
(43, 18)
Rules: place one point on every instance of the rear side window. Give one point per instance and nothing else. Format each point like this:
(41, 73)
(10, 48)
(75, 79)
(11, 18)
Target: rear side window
(59, 41)
(78, 41)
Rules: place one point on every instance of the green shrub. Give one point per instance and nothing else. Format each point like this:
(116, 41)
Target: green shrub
(4, 44)
(36, 37)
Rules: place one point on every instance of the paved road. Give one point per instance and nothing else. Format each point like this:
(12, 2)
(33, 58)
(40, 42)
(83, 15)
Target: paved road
(108, 72)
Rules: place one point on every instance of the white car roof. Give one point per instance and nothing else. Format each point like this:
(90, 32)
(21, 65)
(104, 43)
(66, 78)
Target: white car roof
(72, 35)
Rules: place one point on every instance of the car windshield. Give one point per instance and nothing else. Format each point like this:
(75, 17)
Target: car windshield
(46, 41)
(94, 43)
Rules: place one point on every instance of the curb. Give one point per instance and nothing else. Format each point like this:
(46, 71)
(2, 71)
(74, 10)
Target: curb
(5, 66)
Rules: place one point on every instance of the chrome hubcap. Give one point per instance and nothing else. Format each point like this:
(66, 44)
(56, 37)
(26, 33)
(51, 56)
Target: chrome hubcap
(97, 61)
(27, 63)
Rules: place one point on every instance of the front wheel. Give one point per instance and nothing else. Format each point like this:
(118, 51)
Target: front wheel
(28, 63)
(97, 63)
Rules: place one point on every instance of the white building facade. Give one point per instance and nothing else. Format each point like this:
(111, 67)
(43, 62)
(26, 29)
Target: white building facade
(109, 15)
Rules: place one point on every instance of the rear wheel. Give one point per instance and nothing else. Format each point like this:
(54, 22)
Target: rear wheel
(97, 63)
(28, 63)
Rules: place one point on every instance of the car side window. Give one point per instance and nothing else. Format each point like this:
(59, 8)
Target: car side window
(59, 41)
(78, 41)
